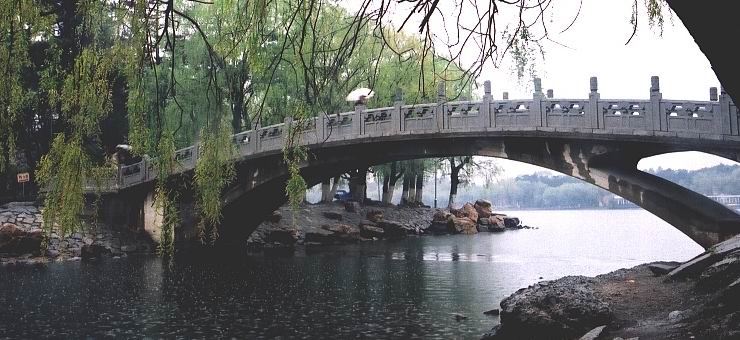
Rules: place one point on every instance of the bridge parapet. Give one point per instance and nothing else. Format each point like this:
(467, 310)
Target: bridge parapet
(716, 119)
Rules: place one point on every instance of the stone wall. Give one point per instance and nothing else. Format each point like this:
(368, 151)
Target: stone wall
(21, 236)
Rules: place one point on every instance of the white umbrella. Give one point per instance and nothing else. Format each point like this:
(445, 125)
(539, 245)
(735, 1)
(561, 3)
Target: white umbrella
(358, 94)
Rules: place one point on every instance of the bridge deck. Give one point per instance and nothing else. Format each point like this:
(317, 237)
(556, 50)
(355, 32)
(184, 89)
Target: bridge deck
(680, 121)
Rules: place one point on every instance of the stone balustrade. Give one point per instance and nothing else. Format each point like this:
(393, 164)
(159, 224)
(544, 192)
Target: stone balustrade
(716, 119)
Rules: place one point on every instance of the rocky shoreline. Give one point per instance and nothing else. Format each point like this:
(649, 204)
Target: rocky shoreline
(21, 236)
(342, 223)
(696, 299)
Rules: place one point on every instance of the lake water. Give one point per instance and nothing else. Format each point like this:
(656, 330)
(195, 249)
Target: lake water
(403, 289)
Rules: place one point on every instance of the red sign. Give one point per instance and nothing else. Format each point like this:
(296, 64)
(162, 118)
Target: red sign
(23, 177)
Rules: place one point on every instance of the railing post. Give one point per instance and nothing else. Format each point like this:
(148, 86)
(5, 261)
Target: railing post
(252, 138)
(721, 125)
(657, 116)
(439, 113)
(287, 123)
(321, 126)
(397, 117)
(550, 93)
(357, 121)
(485, 109)
(536, 109)
(257, 137)
(728, 120)
(594, 118)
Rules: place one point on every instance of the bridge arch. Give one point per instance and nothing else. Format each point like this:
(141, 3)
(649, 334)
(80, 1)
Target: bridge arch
(597, 140)
(611, 165)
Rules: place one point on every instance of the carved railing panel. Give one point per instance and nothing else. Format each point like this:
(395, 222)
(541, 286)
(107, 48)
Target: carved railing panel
(271, 137)
(419, 117)
(565, 113)
(690, 116)
(511, 113)
(463, 115)
(379, 121)
(338, 126)
(185, 158)
(309, 133)
(244, 142)
(132, 174)
(625, 114)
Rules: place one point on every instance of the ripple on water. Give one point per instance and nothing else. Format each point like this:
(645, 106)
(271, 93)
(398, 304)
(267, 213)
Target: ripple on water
(404, 289)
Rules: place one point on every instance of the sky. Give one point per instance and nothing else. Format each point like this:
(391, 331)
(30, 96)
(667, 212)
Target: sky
(595, 46)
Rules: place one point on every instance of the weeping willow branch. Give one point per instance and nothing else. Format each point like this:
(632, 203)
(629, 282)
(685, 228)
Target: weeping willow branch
(214, 171)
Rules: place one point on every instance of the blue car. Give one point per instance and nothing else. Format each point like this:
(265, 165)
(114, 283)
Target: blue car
(342, 195)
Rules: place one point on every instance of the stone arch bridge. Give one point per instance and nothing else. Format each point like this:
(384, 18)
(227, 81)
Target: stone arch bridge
(596, 140)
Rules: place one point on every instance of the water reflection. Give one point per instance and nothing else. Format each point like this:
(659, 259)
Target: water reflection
(404, 289)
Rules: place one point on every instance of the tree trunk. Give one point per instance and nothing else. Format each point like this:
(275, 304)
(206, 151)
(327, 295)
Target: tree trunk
(420, 189)
(412, 189)
(326, 195)
(358, 185)
(387, 190)
(710, 23)
(454, 181)
(405, 190)
(334, 187)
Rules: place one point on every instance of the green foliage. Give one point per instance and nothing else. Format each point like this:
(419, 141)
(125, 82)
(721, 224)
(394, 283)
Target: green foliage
(62, 172)
(165, 203)
(294, 155)
(213, 172)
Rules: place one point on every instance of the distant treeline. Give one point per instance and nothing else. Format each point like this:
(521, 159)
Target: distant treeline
(546, 191)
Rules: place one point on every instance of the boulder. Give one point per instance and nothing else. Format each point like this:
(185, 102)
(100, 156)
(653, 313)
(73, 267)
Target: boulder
(395, 230)
(275, 217)
(352, 206)
(344, 232)
(93, 251)
(721, 273)
(374, 215)
(462, 225)
(495, 223)
(320, 236)
(457, 213)
(495, 228)
(593, 334)
(494, 311)
(563, 309)
(511, 222)
(470, 212)
(441, 216)
(371, 231)
(483, 207)
(332, 215)
(484, 221)
(336, 233)
(662, 268)
(283, 235)
(439, 227)
(694, 267)
(15, 240)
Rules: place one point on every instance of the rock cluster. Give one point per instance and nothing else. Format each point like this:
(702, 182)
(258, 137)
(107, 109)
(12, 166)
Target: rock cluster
(328, 224)
(707, 289)
(562, 309)
(472, 219)
(21, 236)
